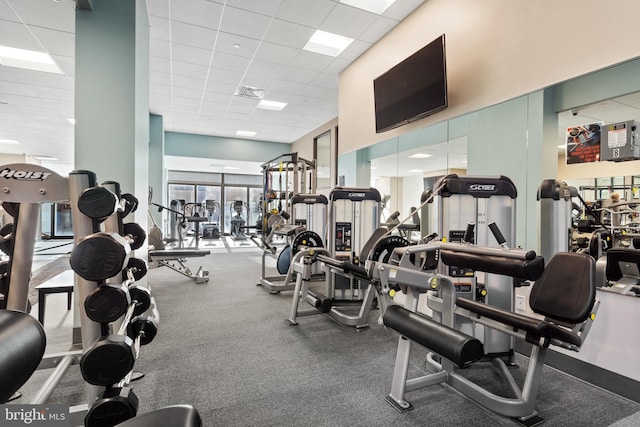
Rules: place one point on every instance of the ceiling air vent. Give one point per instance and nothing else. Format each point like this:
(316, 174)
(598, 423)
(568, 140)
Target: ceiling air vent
(250, 92)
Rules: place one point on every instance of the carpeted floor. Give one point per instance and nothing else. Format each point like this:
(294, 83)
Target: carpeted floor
(224, 347)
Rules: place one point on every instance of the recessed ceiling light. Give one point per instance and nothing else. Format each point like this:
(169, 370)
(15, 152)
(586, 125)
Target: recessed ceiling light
(9, 141)
(236, 45)
(327, 43)
(72, 121)
(375, 6)
(233, 168)
(245, 133)
(563, 146)
(45, 158)
(28, 59)
(420, 156)
(415, 171)
(271, 105)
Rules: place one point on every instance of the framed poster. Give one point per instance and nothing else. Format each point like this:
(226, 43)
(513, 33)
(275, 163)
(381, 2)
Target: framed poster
(583, 143)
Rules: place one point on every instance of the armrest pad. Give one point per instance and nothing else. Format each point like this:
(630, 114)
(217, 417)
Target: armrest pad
(535, 328)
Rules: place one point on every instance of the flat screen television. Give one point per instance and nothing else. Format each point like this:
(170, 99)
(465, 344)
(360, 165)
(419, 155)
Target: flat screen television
(413, 89)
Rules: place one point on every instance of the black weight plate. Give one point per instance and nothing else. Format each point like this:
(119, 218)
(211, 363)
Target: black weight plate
(136, 233)
(385, 246)
(114, 406)
(130, 204)
(308, 239)
(11, 208)
(137, 267)
(97, 203)
(142, 296)
(108, 360)
(148, 325)
(107, 303)
(99, 256)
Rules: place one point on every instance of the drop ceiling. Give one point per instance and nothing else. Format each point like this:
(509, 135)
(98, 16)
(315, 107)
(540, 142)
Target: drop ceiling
(201, 52)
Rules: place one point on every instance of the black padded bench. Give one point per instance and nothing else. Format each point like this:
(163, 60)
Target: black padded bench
(61, 283)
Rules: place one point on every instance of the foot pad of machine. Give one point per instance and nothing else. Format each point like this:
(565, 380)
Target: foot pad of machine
(397, 406)
(529, 422)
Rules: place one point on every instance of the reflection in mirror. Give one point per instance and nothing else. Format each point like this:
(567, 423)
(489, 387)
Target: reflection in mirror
(322, 156)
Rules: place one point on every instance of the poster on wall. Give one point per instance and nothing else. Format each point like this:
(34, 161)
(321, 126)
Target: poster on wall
(583, 143)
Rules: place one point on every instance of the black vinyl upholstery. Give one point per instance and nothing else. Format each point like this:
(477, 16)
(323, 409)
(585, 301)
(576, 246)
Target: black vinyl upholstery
(456, 346)
(173, 416)
(566, 290)
(617, 255)
(512, 267)
(22, 345)
(565, 293)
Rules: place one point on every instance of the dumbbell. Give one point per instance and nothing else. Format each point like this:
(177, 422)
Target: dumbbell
(102, 255)
(99, 203)
(111, 358)
(109, 302)
(115, 405)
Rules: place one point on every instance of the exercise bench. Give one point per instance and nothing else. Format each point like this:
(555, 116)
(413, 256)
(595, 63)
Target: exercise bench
(61, 283)
(175, 259)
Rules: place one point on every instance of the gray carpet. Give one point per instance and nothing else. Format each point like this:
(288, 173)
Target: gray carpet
(224, 348)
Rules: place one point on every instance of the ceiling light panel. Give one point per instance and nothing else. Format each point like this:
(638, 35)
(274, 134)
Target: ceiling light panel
(327, 43)
(375, 6)
(28, 59)
(265, 104)
(245, 133)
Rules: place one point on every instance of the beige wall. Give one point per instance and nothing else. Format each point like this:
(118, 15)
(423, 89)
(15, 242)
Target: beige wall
(595, 170)
(304, 145)
(496, 50)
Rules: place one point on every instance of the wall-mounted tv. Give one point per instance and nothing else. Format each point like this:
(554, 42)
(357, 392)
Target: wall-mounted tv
(413, 89)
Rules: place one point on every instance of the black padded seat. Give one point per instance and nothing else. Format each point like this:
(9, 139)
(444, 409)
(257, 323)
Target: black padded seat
(565, 294)
(526, 269)
(178, 253)
(22, 345)
(173, 416)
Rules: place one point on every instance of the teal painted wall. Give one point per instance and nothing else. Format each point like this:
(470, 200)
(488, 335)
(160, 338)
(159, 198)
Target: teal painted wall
(215, 147)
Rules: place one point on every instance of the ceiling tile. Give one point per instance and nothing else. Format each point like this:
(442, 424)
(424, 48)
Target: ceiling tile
(311, 61)
(244, 23)
(288, 34)
(16, 35)
(192, 35)
(279, 54)
(348, 21)
(401, 9)
(305, 12)
(196, 12)
(381, 26)
(246, 46)
(263, 7)
(58, 15)
(194, 55)
(56, 42)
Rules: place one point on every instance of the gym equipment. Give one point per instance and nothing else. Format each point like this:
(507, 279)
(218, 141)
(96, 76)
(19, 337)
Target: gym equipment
(295, 175)
(309, 214)
(99, 256)
(353, 231)
(176, 415)
(109, 302)
(563, 295)
(622, 271)
(211, 228)
(23, 344)
(175, 260)
(479, 210)
(114, 406)
(378, 249)
(111, 358)
(238, 220)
